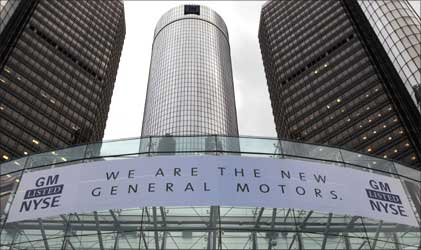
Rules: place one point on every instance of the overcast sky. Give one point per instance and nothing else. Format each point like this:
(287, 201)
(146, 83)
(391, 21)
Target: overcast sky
(251, 93)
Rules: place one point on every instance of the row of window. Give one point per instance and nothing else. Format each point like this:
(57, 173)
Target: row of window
(323, 86)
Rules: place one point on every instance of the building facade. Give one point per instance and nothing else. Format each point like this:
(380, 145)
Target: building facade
(58, 64)
(398, 28)
(190, 88)
(336, 79)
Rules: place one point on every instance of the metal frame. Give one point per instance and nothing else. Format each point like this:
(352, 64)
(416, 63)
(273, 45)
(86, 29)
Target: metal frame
(211, 227)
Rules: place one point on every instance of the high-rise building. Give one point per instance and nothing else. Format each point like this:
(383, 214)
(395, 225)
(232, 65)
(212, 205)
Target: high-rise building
(336, 77)
(190, 88)
(58, 64)
(281, 195)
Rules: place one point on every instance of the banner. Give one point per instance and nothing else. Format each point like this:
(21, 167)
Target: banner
(210, 180)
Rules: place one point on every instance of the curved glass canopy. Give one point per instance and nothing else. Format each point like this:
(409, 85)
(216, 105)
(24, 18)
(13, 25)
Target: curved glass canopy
(211, 227)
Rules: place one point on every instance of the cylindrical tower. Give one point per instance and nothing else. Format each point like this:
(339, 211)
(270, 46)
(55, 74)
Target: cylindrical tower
(398, 28)
(190, 87)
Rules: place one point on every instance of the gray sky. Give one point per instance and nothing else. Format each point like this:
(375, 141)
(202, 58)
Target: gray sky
(251, 93)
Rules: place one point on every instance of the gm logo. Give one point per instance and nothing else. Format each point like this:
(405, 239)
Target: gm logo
(383, 200)
(46, 195)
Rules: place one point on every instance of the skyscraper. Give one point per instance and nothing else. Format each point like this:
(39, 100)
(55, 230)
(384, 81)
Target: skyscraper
(190, 88)
(337, 78)
(58, 63)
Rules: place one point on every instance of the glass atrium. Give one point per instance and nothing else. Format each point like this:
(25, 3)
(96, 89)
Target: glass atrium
(211, 227)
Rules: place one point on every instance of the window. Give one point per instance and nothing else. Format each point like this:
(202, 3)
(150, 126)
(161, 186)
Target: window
(192, 9)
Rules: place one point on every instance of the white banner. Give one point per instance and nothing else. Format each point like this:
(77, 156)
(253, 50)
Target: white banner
(210, 180)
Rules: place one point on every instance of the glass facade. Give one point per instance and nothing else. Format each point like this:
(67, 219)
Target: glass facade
(7, 8)
(398, 28)
(190, 89)
(327, 85)
(207, 227)
(58, 63)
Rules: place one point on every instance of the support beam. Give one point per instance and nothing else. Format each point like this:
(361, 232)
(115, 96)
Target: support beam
(348, 228)
(376, 237)
(351, 224)
(254, 240)
(286, 216)
(272, 226)
(174, 241)
(300, 241)
(64, 219)
(220, 243)
(304, 223)
(164, 241)
(66, 232)
(142, 236)
(147, 214)
(15, 234)
(27, 239)
(193, 223)
(164, 224)
(298, 234)
(346, 240)
(254, 234)
(329, 220)
(144, 241)
(118, 230)
(69, 243)
(212, 229)
(164, 220)
(259, 216)
(362, 245)
(155, 225)
(98, 231)
(215, 216)
(396, 241)
(292, 241)
(70, 233)
(44, 237)
(115, 220)
(116, 240)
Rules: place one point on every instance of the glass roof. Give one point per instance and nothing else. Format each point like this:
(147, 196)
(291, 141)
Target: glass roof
(212, 227)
